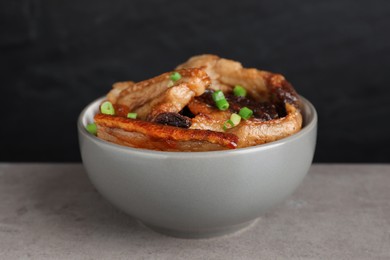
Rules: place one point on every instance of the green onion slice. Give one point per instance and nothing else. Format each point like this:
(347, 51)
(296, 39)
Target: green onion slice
(91, 128)
(107, 108)
(220, 100)
(218, 95)
(235, 118)
(222, 104)
(170, 84)
(175, 76)
(132, 115)
(245, 113)
(239, 91)
(228, 124)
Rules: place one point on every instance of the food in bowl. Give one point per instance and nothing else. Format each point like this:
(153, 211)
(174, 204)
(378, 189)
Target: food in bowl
(197, 194)
(203, 186)
(207, 103)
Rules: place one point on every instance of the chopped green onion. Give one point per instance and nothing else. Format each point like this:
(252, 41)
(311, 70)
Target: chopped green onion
(245, 113)
(239, 91)
(175, 76)
(132, 115)
(107, 108)
(220, 100)
(235, 118)
(226, 125)
(91, 128)
(170, 84)
(218, 95)
(222, 104)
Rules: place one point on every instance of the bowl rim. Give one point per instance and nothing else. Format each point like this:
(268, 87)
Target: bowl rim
(305, 129)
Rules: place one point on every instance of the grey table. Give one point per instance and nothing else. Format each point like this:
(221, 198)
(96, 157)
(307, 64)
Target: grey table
(51, 211)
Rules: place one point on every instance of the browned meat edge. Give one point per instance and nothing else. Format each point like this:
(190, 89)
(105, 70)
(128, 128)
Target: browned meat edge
(167, 132)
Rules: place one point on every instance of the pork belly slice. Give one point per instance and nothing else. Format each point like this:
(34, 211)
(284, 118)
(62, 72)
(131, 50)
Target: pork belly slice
(249, 132)
(172, 101)
(225, 74)
(116, 90)
(261, 85)
(143, 134)
(138, 140)
(207, 117)
(161, 91)
(253, 131)
(280, 119)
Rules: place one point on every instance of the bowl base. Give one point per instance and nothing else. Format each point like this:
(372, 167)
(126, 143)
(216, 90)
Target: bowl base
(203, 233)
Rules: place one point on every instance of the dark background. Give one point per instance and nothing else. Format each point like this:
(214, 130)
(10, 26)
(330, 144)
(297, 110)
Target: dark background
(57, 56)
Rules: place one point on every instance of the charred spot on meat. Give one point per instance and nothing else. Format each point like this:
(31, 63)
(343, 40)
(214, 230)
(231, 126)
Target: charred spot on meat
(173, 119)
(285, 93)
(207, 98)
(187, 112)
(263, 111)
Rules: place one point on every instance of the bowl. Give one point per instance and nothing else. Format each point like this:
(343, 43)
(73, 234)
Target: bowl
(198, 194)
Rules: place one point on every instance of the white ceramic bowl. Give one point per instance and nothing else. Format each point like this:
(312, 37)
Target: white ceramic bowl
(198, 194)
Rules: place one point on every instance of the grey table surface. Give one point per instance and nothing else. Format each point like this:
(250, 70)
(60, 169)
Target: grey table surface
(51, 211)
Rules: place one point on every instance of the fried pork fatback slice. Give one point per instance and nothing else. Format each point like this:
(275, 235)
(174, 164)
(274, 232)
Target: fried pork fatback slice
(207, 117)
(117, 88)
(143, 134)
(157, 95)
(249, 132)
(262, 86)
(173, 100)
(225, 74)
(253, 132)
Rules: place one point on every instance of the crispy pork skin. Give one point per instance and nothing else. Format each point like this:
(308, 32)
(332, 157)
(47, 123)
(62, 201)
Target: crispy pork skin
(161, 133)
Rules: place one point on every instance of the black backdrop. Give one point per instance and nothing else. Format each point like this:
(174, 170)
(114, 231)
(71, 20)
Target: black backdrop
(57, 56)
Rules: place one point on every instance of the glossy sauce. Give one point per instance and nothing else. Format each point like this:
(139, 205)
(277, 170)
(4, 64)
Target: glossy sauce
(263, 111)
